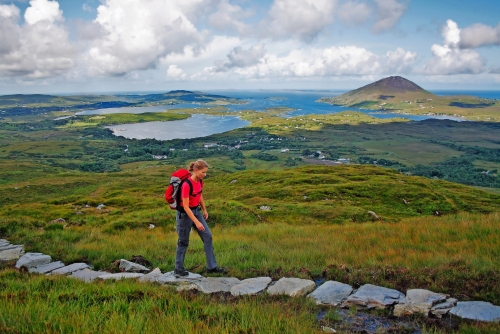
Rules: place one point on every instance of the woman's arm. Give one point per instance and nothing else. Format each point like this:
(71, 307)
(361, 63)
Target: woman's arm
(189, 212)
(202, 203)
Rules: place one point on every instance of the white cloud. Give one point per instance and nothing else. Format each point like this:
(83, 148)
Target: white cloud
(38, 49)
(41, 10)
(479, 35)
(328, 62)
(239, 57)
(137, 36)
(174, 72)
(301, 19)
(388, 14)
(228, 17)
(353, 13)
(450, 59)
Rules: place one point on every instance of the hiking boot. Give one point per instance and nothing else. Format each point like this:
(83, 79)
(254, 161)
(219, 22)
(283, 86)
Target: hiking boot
(217, 270)
(181, 273)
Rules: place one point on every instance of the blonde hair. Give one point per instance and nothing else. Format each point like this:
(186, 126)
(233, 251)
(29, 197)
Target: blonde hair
(197, 165)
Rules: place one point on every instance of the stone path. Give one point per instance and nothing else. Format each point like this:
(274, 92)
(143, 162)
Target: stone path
(329, 293)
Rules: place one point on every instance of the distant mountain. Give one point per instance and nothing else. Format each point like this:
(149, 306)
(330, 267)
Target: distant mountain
(391, 89)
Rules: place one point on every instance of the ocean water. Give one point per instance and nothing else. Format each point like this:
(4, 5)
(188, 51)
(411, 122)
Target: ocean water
(300, 102)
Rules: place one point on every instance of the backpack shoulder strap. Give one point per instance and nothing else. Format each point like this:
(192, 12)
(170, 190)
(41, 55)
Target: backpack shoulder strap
(188, 180)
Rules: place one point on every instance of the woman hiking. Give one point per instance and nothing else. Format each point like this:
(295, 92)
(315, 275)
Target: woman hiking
(189, 215)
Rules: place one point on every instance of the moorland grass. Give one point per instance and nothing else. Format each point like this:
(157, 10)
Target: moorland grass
(38, 304)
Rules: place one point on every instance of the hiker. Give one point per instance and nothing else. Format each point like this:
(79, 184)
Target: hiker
(190, 214)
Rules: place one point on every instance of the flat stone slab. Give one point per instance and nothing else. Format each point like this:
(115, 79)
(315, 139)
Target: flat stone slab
(419, 301)
(216, 284)
(132, 267)
(331, 293)
(152, 276)
(482, 311)
(444, 308)
(293, 287)
(120, 276)
(8, 246)
(371, 296)
(170, 278)
(87, 275)
(12, 253)
(47, 268)
(32, 260)
(70, 269)
(250, 286)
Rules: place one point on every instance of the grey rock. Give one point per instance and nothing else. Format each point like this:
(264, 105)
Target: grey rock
(12, 253)
(419, 301)
(8, 246)
(87, 275)
(251, 286)
(31, 260)
(170, 278)
(265, 208)
(70, 269)
(443, 308)
(371, 296)
(293, 287)
(374, 215)
(58, 220)
(482, 311)
(216, 284)
(132, 267)
(120, 276)
(152, 276)
(46, 268)
(331, 293)
(328, 329)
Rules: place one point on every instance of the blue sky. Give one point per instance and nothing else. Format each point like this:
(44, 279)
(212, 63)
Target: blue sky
(92, 46)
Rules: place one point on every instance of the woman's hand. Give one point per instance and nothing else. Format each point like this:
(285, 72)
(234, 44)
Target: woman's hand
(205, 214)
(199, 226)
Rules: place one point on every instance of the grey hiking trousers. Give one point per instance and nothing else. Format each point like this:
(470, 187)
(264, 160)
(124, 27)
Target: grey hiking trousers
(184, 225)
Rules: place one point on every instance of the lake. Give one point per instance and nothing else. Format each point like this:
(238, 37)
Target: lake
(198, 125)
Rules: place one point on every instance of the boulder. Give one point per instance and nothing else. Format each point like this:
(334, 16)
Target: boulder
(70, 269)
(443, 308)
(371, 296)
(152, 276)
(120, 276)
(265, 208)
(46, 268)
(250, 286)
(481, 311)
(331, 293)
(132, 267)
(419, 301)
(13, 253)
(293, 287)
(216, 284)
(32, 260)
(87, 275)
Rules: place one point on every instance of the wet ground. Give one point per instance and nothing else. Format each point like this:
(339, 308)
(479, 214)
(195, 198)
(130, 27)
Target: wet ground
(349, 321)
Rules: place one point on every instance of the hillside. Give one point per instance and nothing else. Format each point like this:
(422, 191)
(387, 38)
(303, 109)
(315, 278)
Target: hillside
(35, 104)
(388, 90)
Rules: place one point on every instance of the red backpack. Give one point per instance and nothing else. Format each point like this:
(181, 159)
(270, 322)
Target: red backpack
(173, 192)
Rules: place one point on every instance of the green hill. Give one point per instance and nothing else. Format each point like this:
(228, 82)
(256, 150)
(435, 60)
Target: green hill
(388, 90)
(319, 194)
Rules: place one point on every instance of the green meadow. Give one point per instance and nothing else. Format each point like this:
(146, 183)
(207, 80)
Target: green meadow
(428, 232)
